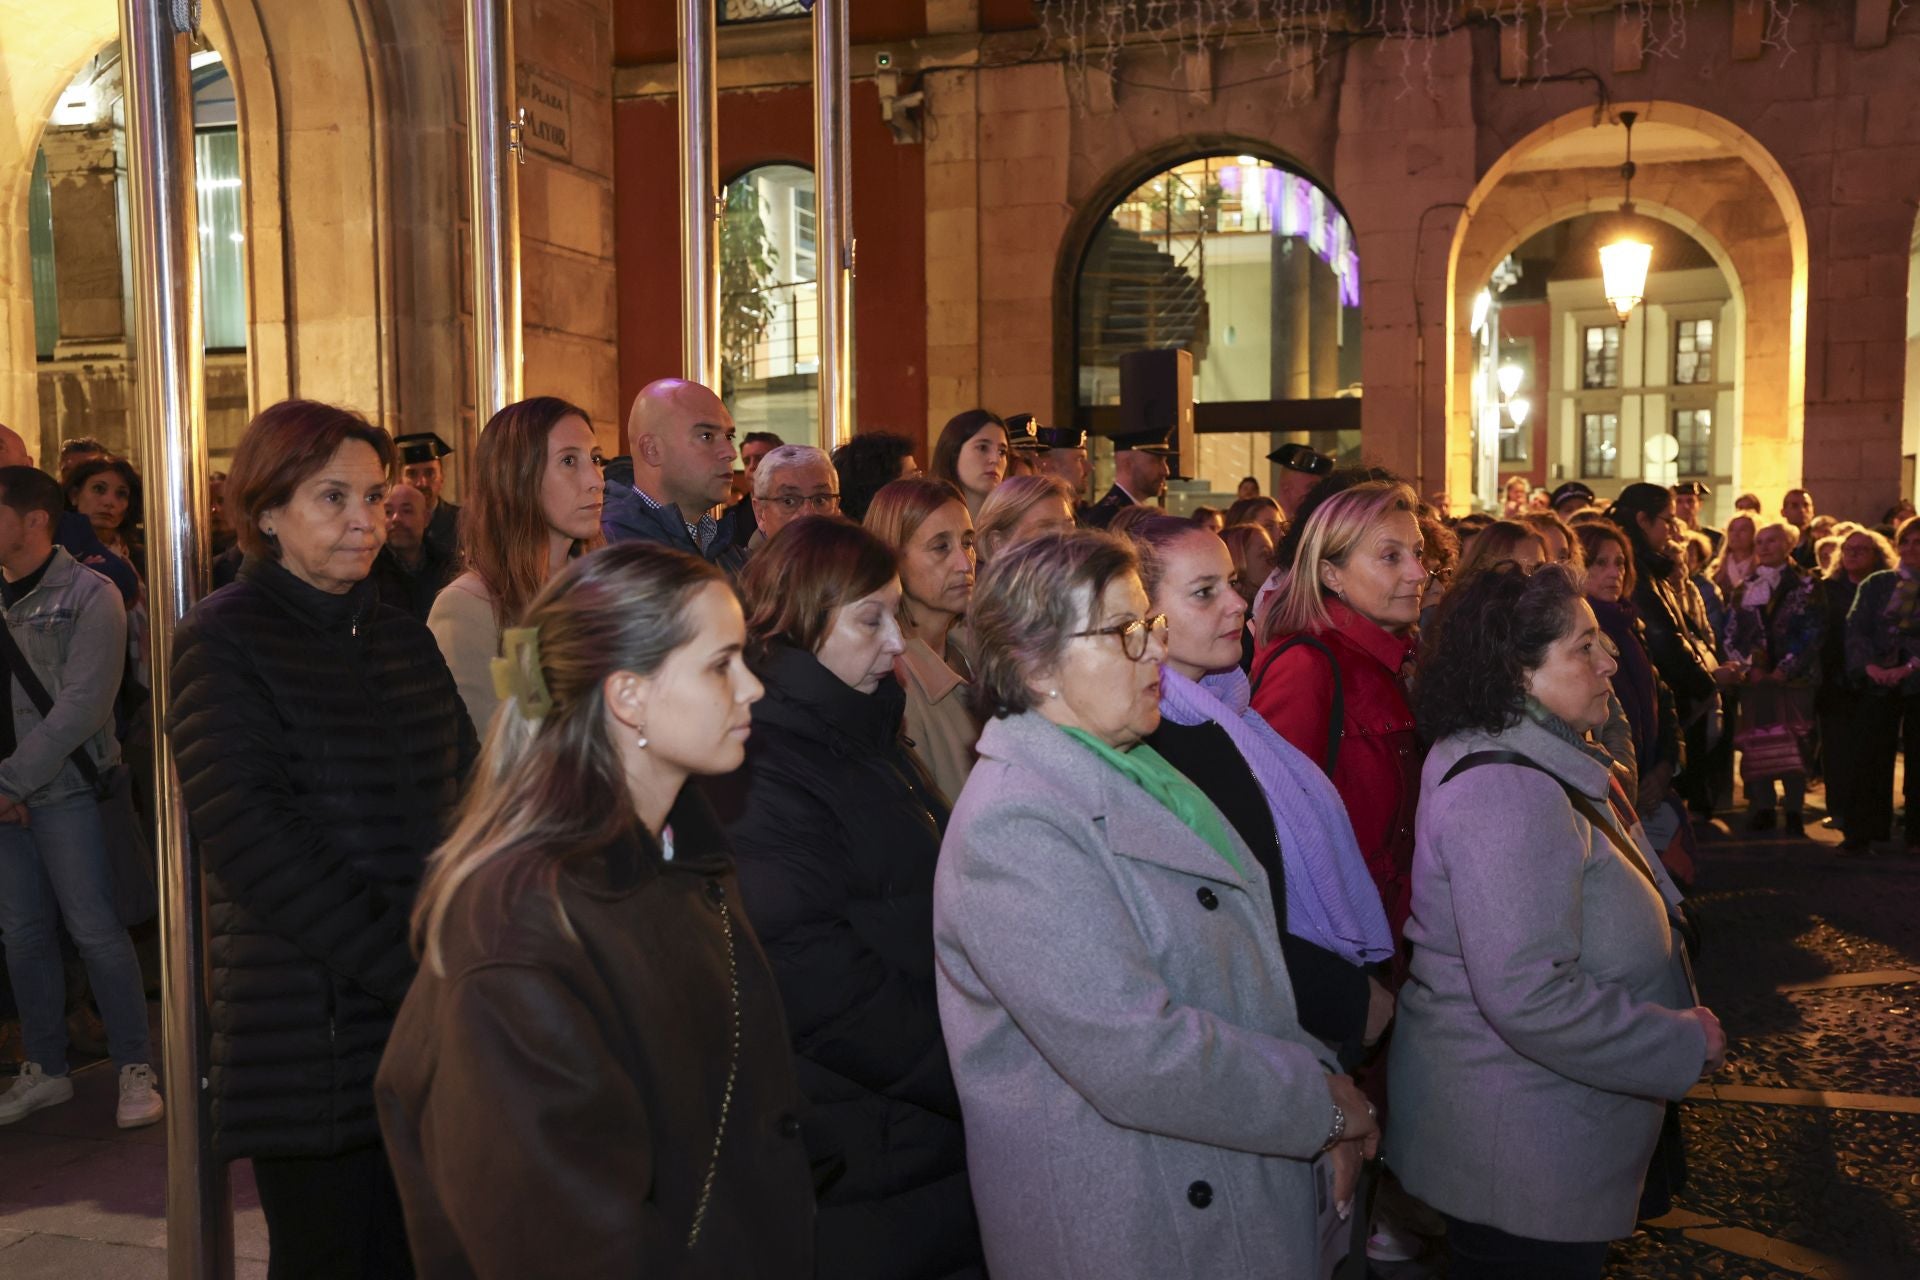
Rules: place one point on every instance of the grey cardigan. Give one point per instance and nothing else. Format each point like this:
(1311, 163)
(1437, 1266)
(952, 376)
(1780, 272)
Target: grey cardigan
(1540, 1031)
(1138, 1095)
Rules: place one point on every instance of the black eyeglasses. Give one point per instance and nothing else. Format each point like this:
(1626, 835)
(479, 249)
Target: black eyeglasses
(1133, 635)
(824, 503)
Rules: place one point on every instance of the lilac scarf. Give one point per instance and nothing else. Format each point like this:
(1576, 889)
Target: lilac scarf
(1331, 898)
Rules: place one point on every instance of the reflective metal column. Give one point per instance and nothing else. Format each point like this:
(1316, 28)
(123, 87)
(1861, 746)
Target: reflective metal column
(835, 228)
(699, 198)
(493, 188)
(168, 396)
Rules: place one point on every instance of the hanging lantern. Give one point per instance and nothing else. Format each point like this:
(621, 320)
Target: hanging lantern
(1518, 409)
(1510, 376)
(1623, 266)
(1626, 258)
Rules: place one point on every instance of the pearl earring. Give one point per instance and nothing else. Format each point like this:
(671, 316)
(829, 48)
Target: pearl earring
(641, 742)
(1053, 693)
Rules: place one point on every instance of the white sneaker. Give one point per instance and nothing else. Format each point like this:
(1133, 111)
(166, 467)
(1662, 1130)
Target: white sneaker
(139, 1104)
(34, 1090)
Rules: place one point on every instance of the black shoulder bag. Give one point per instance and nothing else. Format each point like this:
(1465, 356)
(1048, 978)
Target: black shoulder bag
(136, 900)
(1337, 721)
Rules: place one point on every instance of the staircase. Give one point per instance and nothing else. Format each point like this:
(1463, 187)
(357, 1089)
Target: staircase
(1134, 294)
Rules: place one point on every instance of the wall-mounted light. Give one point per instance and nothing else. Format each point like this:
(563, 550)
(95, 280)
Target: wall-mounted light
(1518, 409)
(1510, 376)
(1624, 261)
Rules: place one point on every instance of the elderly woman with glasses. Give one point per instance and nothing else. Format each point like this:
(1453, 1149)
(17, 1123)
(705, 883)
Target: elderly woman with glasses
(1139, 1096)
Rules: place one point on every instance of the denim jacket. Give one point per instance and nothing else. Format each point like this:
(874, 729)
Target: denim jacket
(72, 628)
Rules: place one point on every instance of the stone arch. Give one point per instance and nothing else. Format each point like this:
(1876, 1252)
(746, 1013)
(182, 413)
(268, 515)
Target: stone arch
(1092, 210)
(1740, 207)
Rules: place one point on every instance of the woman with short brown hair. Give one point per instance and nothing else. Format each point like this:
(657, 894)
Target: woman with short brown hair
(321, 747)
(836, 831)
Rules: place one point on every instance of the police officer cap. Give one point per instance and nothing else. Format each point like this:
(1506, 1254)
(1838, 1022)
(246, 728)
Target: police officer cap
(1694, 489)
(421, 446)
(1570, 490)
(1300, 457)
(1152, 440)
(1022, 434)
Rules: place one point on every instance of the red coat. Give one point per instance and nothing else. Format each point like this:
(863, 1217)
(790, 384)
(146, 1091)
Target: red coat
(1378, 771)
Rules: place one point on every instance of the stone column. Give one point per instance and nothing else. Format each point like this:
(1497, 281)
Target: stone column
(82, 171)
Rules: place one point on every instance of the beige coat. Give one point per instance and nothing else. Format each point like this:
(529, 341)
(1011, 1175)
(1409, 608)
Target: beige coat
(469, 639)
(943, 731)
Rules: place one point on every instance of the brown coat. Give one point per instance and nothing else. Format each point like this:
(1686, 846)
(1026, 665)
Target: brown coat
(550, 1104)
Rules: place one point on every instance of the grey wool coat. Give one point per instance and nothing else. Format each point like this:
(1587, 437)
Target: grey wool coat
(1541, 1030)
(1139, 1098)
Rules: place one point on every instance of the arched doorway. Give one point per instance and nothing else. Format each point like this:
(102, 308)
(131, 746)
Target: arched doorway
(1564, 390)
(82, 260)
(1247, 264)
(1700, 175)
(769, 304)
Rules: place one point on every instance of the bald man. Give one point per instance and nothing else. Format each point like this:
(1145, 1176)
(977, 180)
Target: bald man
(412, 567)
(681, 440)
(75, 532)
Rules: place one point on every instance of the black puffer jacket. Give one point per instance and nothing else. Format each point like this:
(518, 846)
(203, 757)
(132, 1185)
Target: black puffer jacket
(1684, 658)
(835, 833)
(321, 746)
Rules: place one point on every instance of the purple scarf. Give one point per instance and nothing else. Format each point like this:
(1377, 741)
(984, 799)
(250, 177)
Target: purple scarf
(1331, 898)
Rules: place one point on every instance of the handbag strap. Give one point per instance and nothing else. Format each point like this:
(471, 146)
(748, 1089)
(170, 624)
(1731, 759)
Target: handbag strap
(1584, 806)
(1337, 721)
(23, 671)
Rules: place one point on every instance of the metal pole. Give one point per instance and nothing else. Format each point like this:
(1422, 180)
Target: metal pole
(493, 147)
(699, 198)
(168, 395)
(835, 225)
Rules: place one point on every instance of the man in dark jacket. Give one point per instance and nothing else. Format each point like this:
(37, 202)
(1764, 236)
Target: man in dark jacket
(411, 568)
(420, 455)
(1141, 464)
(682, 468)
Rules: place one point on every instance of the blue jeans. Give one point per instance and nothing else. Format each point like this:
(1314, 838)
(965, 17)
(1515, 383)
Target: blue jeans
(56, 869)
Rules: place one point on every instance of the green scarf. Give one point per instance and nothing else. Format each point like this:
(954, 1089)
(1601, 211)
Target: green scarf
(1171, 788)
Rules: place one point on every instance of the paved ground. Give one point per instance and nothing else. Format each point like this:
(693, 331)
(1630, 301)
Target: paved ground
(1805, 1150)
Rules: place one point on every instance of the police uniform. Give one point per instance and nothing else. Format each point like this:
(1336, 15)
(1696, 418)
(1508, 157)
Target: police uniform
(1701, 490)
(443, 526)
(1115, 500)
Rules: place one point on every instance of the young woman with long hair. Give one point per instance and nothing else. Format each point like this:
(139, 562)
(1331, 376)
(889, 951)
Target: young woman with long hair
(925, 523)
(971, 455)
(534, 501)
(592, 1064)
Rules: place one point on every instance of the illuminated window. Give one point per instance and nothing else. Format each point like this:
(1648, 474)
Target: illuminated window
(770, 305)
(1599, 446)
(1600, 365)
(1693, 351)
(1694, 429)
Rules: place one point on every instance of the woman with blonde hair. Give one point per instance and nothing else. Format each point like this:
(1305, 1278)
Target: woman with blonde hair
(535, 504)
(1557, 534)
(1735, 563)
(1019, 508)
(1330, 676)
(925, 523)
(593, 1064)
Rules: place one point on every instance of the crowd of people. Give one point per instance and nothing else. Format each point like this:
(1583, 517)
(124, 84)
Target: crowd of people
(832, 868)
